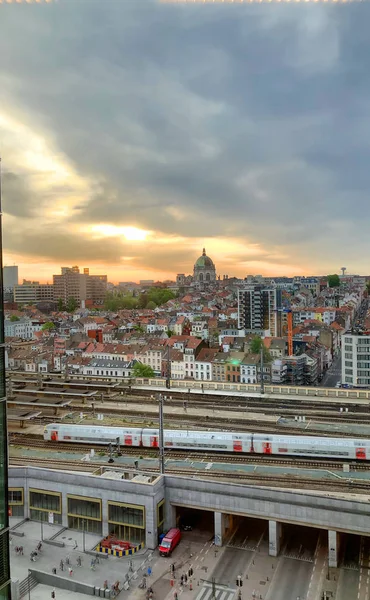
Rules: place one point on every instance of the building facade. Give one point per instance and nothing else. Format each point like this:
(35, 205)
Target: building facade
(356, 360)
(83, 287)
(30, 292)
(10, 277)
(4, 533)
(258, 310)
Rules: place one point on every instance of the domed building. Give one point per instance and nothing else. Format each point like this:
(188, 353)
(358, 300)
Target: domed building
(204, 270)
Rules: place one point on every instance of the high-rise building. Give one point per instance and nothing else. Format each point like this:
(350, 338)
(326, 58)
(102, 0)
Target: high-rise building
(4, 533)
(80, 286)
(10, 277)
(258, 310)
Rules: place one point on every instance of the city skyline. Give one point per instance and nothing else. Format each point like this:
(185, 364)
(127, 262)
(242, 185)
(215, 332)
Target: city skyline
(239, 128)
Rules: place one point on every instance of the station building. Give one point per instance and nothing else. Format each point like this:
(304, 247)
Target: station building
(138, 507)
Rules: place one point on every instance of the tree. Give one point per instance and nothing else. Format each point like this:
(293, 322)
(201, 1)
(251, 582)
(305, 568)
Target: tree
(139, 328)
(14, 318)
(115, 301)
(48, 326)
(256, 344)
(143, 300)
(151, 305)
(141, 370)
(71, 304)
(255, 348)
(61, 306)
(333, 280)
(170, 332)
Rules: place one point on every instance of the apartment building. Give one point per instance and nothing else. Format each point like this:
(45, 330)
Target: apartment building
(83, 287)
(356, 360)
(258, 310)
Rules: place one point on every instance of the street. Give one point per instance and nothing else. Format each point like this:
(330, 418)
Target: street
(333, 374)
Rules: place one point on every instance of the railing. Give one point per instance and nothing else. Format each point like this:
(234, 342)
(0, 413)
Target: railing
(183, 384)
(28, 584)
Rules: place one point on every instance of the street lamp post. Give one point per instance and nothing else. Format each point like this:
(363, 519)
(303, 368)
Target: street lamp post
(83, 534)
(161, 435)
(262, 382)
(42, 529)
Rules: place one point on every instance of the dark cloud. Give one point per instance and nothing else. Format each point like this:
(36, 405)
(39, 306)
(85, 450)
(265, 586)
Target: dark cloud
(199, 120)
(17, 196)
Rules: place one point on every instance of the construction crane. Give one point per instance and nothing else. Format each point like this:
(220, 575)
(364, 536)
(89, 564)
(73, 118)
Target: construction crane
(290, 327)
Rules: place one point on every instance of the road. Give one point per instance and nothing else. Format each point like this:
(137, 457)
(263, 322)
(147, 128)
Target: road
(234, 563)
(291, 581)
(333, 375)
(348, 585)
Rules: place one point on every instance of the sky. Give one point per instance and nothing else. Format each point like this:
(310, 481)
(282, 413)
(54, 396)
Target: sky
(133, 133)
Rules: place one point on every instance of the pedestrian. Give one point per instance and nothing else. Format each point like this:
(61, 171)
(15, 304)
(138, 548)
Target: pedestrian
(185, 578)
(106, 584)
(67, 560)
(61, 565)
(182, 580)
(39, 546)
(97, 561)
(21, 550)
(149, 571)
(76, 545)
(54, 570)
(70, 571)
(79, 561)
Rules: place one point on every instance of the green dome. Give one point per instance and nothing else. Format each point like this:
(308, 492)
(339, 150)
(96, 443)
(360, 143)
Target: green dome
(204, 262)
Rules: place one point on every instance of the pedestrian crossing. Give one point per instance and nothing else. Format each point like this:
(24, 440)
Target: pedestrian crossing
(220, 592)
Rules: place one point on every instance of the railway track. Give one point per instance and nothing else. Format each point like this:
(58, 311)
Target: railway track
(213, 421)
(293, 462)
(286, 481)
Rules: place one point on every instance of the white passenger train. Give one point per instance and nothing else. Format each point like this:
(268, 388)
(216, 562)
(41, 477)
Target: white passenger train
(216, 441)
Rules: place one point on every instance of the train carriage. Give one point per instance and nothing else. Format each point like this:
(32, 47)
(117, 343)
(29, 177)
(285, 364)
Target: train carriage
(319, 447)
(213, 441)
(92, 434)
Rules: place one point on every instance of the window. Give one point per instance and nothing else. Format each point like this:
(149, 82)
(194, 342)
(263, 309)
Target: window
(349, 371)
(160, 516)
(126, 514)
(15, 495)
(348, 363)
(16, 505)
(127, 521)
(84, 514)
(43, 502)
(84, 507)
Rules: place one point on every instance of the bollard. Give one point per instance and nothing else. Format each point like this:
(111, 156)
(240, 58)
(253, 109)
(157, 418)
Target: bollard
(172, 582)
